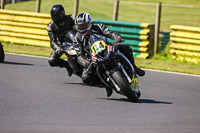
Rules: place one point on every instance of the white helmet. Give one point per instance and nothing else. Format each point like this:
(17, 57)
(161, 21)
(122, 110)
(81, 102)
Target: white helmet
(83, 23)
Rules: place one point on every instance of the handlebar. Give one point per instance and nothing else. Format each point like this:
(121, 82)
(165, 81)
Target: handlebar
(105, 58)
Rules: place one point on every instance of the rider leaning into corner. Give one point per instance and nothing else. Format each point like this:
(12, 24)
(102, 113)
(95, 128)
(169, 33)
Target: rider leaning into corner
(57, 28)
(85, 28)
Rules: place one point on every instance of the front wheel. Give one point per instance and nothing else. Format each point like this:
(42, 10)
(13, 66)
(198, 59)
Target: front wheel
(1, 53)
(125, 87)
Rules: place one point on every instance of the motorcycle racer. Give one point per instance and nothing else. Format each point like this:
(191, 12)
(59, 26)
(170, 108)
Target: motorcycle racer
(85, 28)
(57, 28)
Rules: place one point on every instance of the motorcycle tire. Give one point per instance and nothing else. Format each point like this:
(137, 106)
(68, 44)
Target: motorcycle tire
(124, 85)
(2, 55)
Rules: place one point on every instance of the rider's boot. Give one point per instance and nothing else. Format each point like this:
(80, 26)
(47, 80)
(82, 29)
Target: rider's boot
(139, 71)
(109, 91)
(56, 61)
(65, 64)
(69, 70)
(128, 52)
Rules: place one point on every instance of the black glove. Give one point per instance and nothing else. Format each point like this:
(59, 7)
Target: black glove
(102, 60)
(117, 38)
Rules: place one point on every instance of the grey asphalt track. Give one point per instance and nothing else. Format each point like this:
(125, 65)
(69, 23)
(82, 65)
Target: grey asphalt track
(36, 98)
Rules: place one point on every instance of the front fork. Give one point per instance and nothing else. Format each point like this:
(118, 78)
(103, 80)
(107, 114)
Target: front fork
(133, 81)
(125, 74)
(111, 79)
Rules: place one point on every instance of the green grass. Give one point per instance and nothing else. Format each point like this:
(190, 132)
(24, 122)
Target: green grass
(160, 61)
(26, 49)
(103, 9)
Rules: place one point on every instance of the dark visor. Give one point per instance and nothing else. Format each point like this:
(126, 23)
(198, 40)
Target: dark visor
(83, 26)
(57, 17)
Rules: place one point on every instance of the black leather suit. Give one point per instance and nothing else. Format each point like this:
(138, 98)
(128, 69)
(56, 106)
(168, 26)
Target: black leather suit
(56, 34)
(100, 29)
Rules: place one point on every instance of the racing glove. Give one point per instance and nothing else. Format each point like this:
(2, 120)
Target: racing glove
(107, 57)
(117, 38)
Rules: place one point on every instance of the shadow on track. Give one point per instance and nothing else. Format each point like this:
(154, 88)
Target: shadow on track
(17, 63)
(140, 100)
(153, 101)
(75, 83)
(83, 84)
(124, 99)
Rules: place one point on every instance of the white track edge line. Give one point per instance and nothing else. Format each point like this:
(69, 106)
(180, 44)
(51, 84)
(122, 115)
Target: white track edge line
(171, 72)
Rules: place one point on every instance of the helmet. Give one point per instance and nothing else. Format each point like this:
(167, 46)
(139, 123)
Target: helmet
(57, 14)
(83, 23)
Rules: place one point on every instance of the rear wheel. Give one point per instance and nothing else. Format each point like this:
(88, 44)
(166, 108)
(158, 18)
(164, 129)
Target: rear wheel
(1, 53)
(125, 87)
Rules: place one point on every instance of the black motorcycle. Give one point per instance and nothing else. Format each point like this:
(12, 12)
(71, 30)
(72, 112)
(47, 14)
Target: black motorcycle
(71, 52)
(113, 67)
(109, 67)
(2, 55)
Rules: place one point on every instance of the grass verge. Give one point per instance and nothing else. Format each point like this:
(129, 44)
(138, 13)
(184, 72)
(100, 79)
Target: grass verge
(174, 12)
(160, 61)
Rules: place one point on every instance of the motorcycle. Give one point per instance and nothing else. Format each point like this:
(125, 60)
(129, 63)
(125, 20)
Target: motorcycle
(71, 52)
(2, 55)
(108, 66)
(113, 67)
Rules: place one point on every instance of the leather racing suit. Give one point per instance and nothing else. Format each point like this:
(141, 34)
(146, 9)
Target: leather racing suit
(56, 34)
